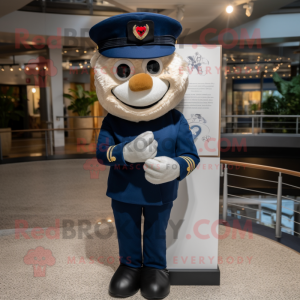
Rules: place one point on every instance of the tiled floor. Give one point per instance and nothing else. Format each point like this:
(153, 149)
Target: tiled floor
(37, 194)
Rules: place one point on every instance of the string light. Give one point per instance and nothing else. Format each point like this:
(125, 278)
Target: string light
(20, 69)
(27, 69)
(11, 68)
(37, 68)
(84, 51)
(77, 50)
(2, 68)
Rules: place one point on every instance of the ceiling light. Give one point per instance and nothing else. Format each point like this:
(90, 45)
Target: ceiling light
(249, 8)
(65, 51)
(20, 69)
(84, 51)
(180, 13)
(77, 50)
(27, 69)
(2, 68)
(37, 68)
(11, 68)
(229, 9)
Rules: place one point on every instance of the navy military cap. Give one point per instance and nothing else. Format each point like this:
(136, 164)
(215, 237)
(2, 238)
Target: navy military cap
(136, 35)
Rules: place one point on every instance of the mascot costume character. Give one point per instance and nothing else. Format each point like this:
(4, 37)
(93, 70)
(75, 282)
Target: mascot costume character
(147, 143)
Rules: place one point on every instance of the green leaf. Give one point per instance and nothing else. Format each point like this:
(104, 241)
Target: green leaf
(68, 96)
(79, 91)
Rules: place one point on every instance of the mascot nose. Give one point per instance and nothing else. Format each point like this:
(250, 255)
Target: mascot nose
(140, 82)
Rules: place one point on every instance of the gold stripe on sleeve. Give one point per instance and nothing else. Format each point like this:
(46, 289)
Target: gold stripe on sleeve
(112, 158)
(107, 154)
(189, 164)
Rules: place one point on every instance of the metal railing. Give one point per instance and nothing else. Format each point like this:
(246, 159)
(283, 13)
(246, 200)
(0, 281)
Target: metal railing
(46, 148)
(256, 124)
(278, 195)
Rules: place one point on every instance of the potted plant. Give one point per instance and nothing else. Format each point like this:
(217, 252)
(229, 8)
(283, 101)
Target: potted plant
(80, 104)
(7, 112)
(287, 103)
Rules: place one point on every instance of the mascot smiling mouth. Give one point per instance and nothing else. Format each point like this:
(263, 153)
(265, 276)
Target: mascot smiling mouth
(141, 91)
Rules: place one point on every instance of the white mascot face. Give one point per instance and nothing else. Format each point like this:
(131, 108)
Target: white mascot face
(140, 89)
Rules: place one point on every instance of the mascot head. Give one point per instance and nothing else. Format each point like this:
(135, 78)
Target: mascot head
(138, 76)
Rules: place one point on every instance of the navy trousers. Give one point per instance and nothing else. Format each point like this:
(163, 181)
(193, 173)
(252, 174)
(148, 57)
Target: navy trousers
(128, 222)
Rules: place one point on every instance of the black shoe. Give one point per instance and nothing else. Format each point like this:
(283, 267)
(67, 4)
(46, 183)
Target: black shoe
(125, 282)
(155, 283)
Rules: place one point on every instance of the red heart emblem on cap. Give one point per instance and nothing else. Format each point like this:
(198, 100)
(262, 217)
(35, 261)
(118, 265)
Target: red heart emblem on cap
(140, 30)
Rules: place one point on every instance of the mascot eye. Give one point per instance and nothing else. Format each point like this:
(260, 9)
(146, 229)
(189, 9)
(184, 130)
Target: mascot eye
(152, 66)
(123, 69)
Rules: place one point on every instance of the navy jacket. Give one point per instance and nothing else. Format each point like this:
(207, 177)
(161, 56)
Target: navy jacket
(126, 181)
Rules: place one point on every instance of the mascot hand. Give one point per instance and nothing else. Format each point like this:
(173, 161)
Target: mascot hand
(141, 148)
(161, 169)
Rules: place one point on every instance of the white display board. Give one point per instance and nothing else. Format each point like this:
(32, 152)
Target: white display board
(201, 103)
(192, 234)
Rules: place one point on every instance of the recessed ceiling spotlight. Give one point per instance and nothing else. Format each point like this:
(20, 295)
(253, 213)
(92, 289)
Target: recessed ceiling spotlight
(229, 9)
(249, 8)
